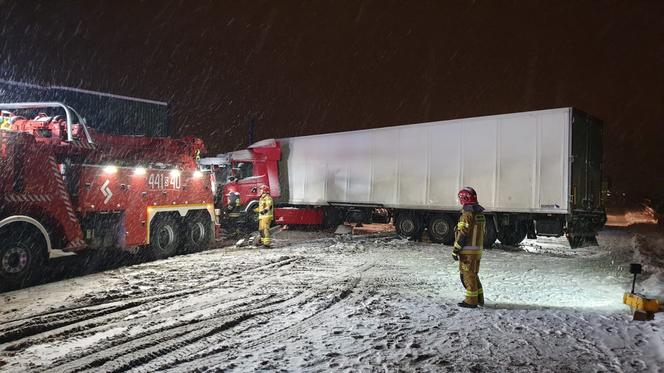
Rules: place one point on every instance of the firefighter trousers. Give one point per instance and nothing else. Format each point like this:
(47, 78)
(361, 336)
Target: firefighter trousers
(264, 230)
(469, 267)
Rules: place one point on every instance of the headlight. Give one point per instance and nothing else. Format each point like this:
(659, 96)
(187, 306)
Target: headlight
(110, 169)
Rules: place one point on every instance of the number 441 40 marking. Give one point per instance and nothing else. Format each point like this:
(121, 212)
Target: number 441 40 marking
(163, 181)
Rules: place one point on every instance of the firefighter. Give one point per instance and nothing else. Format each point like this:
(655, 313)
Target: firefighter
(234, 204)
(265, 213)
(5, 121)
(468, 245)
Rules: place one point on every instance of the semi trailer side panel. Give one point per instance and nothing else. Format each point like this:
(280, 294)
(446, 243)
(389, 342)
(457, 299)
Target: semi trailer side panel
(517, 163)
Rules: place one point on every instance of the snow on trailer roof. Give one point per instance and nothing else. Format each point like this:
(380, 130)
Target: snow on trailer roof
(432, 123)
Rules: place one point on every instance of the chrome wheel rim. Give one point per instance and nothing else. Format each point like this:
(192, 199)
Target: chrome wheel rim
(15, 260)
(407, 226)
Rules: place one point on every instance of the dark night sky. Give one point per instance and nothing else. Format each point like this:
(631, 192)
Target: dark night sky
(305, 67)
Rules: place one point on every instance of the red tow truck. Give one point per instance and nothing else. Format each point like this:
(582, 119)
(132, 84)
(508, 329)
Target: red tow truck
(65, 188)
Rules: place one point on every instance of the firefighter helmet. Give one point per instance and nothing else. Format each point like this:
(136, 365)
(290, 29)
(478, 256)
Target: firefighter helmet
(467, 196)
(264, 189)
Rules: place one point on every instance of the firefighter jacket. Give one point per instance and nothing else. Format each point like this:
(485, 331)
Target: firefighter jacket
(233, 201)
(5, 124)
(469, 236)
(265, 209)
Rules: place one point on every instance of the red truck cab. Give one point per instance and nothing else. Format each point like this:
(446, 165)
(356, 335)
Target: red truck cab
(239, 176)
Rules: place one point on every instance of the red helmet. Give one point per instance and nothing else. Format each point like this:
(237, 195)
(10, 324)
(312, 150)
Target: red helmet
(264, 189)
(467, 196)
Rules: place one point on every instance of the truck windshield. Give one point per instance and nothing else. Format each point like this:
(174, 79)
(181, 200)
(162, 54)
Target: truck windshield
(221, 174)
(243, 170)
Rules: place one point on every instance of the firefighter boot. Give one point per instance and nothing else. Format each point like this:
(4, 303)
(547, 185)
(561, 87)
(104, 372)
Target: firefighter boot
(466, 305)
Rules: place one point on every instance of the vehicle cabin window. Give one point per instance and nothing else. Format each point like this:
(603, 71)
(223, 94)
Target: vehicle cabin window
(243, 170)
(221, 174)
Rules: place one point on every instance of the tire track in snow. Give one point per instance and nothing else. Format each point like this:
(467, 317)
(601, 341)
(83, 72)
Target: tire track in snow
(139, 351)
(351, 280)
(14, 330)
(129, 344)
(131, 351)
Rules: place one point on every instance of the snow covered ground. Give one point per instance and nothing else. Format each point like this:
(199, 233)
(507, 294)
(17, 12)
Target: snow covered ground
(319, 303)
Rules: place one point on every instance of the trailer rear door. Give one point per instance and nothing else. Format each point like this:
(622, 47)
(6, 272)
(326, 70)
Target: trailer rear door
(587, 162)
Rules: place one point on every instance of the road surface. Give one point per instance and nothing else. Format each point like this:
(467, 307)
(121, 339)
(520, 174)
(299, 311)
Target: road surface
(319, 303)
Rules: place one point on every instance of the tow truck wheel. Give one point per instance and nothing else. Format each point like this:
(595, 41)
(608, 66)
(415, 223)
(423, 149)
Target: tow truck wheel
(21, 257)
(250, 220)
(441, 229)
(164, 237)
(197, 233)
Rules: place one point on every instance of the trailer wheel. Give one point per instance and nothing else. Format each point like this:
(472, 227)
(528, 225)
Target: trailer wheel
(21, 257)
(197, 232)
(409, 225)
(441, 229)
(381, 216)
(574, 240)
(164, 238)
(512, 235)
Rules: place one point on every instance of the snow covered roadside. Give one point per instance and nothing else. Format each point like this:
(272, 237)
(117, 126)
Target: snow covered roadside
(649, 250)
(339, 304)
(617, 248)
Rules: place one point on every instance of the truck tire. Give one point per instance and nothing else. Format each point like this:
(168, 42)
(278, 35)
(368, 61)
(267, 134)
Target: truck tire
(512, 235)
(409, 225)
(197, 232)
(21, 258)
(490, 235)
(381, 216)
(576, 241)
(164, 237)
(441, 229)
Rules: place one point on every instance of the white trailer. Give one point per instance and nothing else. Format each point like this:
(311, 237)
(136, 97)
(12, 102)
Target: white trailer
(536, 173)
(520, 164)
(516, 162)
